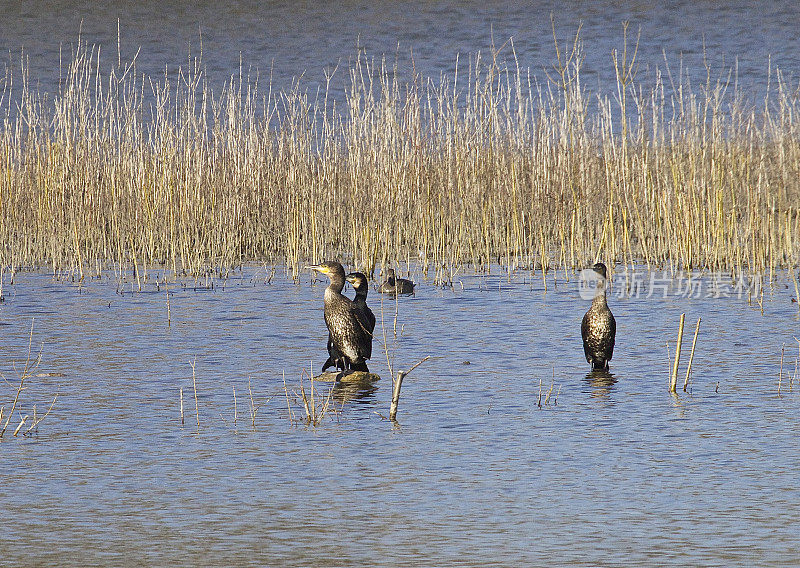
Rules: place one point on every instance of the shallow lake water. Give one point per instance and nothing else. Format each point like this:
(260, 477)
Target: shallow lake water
(284, 41)
(609, 471)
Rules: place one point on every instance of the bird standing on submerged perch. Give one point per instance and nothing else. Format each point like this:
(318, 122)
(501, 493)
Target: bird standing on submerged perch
(599, 328)
(396, 285)
(361, 286)
(349, 342)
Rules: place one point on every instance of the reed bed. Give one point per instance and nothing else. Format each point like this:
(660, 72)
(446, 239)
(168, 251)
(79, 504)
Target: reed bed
(498, 166)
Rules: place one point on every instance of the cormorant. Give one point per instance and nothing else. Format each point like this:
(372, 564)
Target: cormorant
(396, 285)
(349, 342)
(599, 328)
(360, 284)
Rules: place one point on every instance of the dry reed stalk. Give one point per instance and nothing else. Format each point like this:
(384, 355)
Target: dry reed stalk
(780, 372)
(673, 380)
(21, 424)
(491, 168)
(288, 405)
(181, 398)
(794, 280)
(194, 386)
(37, 420)
(235, 410)
(169, 313)
(539, 401)
(397, 384)
(27, 371)
(691, 355)
(549, 392)
(252, 405)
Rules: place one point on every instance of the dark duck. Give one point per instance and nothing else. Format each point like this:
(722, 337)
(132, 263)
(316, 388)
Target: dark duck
(349, 341)
(599, 329)
(394, 285)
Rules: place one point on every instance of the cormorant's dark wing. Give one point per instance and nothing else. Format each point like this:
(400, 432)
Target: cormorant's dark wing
(612, 335)
(366, 325)
(347, 332)
(587, 351)
(370, 319)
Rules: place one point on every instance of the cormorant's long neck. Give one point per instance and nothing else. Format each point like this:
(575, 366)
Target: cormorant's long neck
(337, 283)
(600, 300)
(361, 294)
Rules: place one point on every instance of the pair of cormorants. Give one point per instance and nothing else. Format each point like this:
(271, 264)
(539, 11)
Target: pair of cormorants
(350, 322)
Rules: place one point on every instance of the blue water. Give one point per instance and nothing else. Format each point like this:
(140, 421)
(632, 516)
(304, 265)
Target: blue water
(285, 41)
(609, 471)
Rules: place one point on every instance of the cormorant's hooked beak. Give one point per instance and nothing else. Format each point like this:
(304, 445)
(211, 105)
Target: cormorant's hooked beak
(317, 267)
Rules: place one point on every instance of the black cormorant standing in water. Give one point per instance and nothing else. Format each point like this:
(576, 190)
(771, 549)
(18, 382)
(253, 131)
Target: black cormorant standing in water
(360, 284)
(349, 342)
(396, 285)
(599, 327)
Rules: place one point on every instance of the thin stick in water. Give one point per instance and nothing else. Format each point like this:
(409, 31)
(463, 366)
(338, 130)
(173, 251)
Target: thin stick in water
(691, 356)
(252, 404)
(234, 406)
(21, 424)
(398, 383)
(194, 385)
(673, 380)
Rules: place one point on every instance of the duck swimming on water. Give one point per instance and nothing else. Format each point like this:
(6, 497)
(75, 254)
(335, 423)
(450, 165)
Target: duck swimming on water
(396, 285)
(349, 342)
(599, 328)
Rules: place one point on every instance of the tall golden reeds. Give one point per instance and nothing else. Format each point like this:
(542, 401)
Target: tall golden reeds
(495, 167)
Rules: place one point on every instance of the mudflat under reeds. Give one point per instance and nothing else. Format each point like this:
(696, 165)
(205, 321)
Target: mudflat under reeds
(497, 165)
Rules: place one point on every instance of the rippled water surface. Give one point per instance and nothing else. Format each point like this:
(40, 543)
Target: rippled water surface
(287, 40)
(609, 471)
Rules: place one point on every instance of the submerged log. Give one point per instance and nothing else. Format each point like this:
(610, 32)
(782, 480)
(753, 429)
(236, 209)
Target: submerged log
(347, 377)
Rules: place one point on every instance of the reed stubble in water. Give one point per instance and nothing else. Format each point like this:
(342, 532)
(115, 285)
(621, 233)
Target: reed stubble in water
(495, 166)
(673, 379)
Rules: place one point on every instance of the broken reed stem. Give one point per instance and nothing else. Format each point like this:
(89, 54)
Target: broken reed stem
(398, 383)
(549, 392)
(21, 424)
(36, 420)
(539, 402)
(169, 313)
(234, 406)
(691, 356)
(25, 372)
(288, 405)
(181, 396)
(194, 386)
(674, 376)
(780, 372)
(796, 291)
(252, 404)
